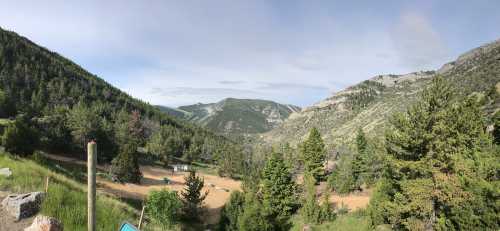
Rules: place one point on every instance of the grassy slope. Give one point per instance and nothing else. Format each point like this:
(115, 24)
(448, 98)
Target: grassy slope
(66, 199)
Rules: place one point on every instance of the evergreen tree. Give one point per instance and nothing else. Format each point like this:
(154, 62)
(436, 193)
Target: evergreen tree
(313, 154)
(192, 196)
(253, 217)
(231, 212)
(278, 190)
(496, 128)
(20, 138)
(359, 162)
(125, 166)
(436, 178)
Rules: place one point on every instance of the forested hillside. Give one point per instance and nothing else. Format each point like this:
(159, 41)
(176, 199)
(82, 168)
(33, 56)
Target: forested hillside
(68, 106)
(368, 105)
(236, 116)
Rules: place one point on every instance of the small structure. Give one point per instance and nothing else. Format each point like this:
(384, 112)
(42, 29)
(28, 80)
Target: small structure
(23, 205)
(181, 167)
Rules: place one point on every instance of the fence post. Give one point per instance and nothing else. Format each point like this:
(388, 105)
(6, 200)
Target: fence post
(140, 219)
(47, 184)
(91, 181)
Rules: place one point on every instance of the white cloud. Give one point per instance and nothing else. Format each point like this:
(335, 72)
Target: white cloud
(418, 45)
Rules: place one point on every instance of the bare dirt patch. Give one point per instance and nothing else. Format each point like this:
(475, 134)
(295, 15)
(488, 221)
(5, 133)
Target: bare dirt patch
(219, 188)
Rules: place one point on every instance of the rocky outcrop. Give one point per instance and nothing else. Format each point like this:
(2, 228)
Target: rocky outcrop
(23, 205)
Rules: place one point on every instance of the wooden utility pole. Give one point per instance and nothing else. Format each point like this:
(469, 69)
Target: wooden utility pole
(91, 191)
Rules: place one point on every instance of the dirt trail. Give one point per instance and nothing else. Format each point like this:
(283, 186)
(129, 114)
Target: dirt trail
(153, 180)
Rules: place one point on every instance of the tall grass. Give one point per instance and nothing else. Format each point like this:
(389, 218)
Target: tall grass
(66, 199)
(356, 221)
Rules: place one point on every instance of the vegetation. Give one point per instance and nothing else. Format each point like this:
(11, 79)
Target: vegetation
(442, 172)
(233, 209)
(192, 196)
(279, 196)
(237, 117)
(311, 211)
(19, 137)
(125, 167)
(69, 106)
(164, 207)
(66, 198)
(314, 155)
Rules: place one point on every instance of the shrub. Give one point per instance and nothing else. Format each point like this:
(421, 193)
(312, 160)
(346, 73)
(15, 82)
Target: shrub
(164, 207)
(125, 166)
(19, 138)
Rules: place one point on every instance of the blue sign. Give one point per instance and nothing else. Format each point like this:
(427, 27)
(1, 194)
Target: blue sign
(127, 227)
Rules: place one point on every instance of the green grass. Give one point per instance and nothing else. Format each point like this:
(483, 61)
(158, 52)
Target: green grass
(348, 222)
(66, 199)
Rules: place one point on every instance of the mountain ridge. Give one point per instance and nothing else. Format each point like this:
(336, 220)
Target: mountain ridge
(370, 103)
(235, 116)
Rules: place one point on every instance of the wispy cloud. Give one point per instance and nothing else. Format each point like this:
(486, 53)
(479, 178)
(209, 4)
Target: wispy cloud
(290, 86)
(231, 82)
(418, 43)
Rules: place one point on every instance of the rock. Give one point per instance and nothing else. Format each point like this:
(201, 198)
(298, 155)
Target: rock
(5, 172)
(44, 223)
(23, 205)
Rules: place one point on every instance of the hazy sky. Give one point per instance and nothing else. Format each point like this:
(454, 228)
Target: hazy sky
(299, 52)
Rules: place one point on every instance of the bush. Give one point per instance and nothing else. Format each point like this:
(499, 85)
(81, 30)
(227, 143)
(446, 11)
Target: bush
(164, 207)
(19, 138)
(125, 167)
(232, 210)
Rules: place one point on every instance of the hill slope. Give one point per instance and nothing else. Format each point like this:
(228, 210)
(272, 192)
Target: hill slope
(238, 116)
(370, 104)
(45, 86)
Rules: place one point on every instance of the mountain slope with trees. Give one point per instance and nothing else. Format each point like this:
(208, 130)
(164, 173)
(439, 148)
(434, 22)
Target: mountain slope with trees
(369, 104)
(236, 116)
(69, 106)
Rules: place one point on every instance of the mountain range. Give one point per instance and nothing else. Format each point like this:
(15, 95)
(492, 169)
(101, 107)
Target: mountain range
(235, 116)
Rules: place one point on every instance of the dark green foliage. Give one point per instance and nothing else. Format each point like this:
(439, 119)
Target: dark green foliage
(365, 93)
(438, 175)
(253, 217)
(20, 138)
(125, 166)
(192, 196)
(342, 178)
(314, 154)
(164, 207)
(6, 106)
(312, 211)
(231, 212)
(496, 128)
(278, 190)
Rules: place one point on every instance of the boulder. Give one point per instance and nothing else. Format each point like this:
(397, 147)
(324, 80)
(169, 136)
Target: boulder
(44, 223)
(23, 205)
(5, 172)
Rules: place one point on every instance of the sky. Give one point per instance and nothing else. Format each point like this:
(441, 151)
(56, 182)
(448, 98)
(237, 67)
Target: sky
(177, 53)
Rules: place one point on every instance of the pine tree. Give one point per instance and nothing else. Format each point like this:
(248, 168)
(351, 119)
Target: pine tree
(231, 212)
(313, 154)
(436, 177)
(125, 166)
(253, 217)
(359, 162)
(192, 196)
(278, 190)
(20, 138)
